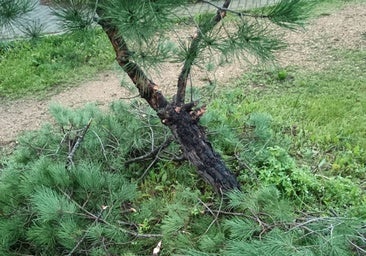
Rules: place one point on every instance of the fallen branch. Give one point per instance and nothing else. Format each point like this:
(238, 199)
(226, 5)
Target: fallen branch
(98, 218)
(75, 146)
(103, 208)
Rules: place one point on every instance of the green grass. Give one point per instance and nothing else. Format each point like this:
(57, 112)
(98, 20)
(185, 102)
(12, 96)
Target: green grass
(35, 67)
(318, 117)
(303, 131)
(328, 105)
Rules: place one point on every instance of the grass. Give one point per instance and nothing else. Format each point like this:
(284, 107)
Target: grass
(298, 129)
(328, 103)
(46, 64)
(320, 115)
(35, 67)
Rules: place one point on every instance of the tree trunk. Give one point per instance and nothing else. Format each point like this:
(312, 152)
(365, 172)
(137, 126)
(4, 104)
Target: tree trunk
(179, 117)
(183, 122)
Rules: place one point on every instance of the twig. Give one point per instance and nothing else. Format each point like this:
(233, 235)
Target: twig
(356, 246)
(81, 207)
(151, 153)
(62, 141)
(77, 144)
(130, 98)
(312, 220)
(150, 165)
(193, 51)
(86, 232)
(208, 208)
(101, 144)
(240, 14)
(217, 215)
(99, 219)
(230, 213)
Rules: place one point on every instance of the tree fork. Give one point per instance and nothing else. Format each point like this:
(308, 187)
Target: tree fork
(179, 117)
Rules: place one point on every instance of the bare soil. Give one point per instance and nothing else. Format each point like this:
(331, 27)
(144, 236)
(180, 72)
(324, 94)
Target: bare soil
(310, 49)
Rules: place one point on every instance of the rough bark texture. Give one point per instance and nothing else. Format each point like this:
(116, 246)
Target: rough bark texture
(181, 118)
(183, 122)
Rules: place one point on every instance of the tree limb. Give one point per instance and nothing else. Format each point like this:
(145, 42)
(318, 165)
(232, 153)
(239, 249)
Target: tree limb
(147, 88)
(193, 51)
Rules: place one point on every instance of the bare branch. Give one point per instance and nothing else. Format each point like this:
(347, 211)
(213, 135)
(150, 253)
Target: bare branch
(98, 218)
(152, 153)
(217, 214)
(80, 138)
(103, 208)
(240, 14)
(357, 247)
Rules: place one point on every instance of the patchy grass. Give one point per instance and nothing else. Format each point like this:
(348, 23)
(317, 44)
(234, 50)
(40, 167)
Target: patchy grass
(33, 67)
(328, 105)
(319, 117)
(302, 131)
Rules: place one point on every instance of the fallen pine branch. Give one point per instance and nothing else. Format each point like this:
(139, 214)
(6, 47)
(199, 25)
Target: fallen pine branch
(79, 139)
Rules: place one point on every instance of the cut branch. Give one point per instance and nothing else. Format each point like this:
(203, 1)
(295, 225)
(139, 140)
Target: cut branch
(152, 153)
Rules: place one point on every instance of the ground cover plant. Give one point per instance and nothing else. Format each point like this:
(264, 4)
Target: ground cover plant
(301, 168)
(42, 63)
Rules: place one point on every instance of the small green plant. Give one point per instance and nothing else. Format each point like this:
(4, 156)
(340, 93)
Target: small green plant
(33, 30)
(282, 75)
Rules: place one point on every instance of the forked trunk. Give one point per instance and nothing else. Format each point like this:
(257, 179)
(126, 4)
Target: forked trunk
(179, 117)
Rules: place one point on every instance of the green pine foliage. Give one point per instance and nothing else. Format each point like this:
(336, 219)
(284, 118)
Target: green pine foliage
(103, 204)
(150, 29)
(57, 206)
(11, 11)
(112, 196)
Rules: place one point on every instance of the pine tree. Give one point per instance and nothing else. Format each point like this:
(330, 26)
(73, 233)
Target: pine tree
(138, 32)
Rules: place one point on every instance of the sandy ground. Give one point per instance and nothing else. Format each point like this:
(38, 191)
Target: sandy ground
(310, 48)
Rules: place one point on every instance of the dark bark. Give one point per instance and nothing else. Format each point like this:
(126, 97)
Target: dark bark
(179, 117)
(183, 122)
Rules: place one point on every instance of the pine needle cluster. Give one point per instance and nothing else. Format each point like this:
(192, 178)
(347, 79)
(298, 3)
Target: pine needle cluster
(11, 11)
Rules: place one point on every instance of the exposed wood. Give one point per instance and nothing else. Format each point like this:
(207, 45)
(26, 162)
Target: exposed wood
(79, 138)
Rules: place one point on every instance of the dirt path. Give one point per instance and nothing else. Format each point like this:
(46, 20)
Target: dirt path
(310, 49)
